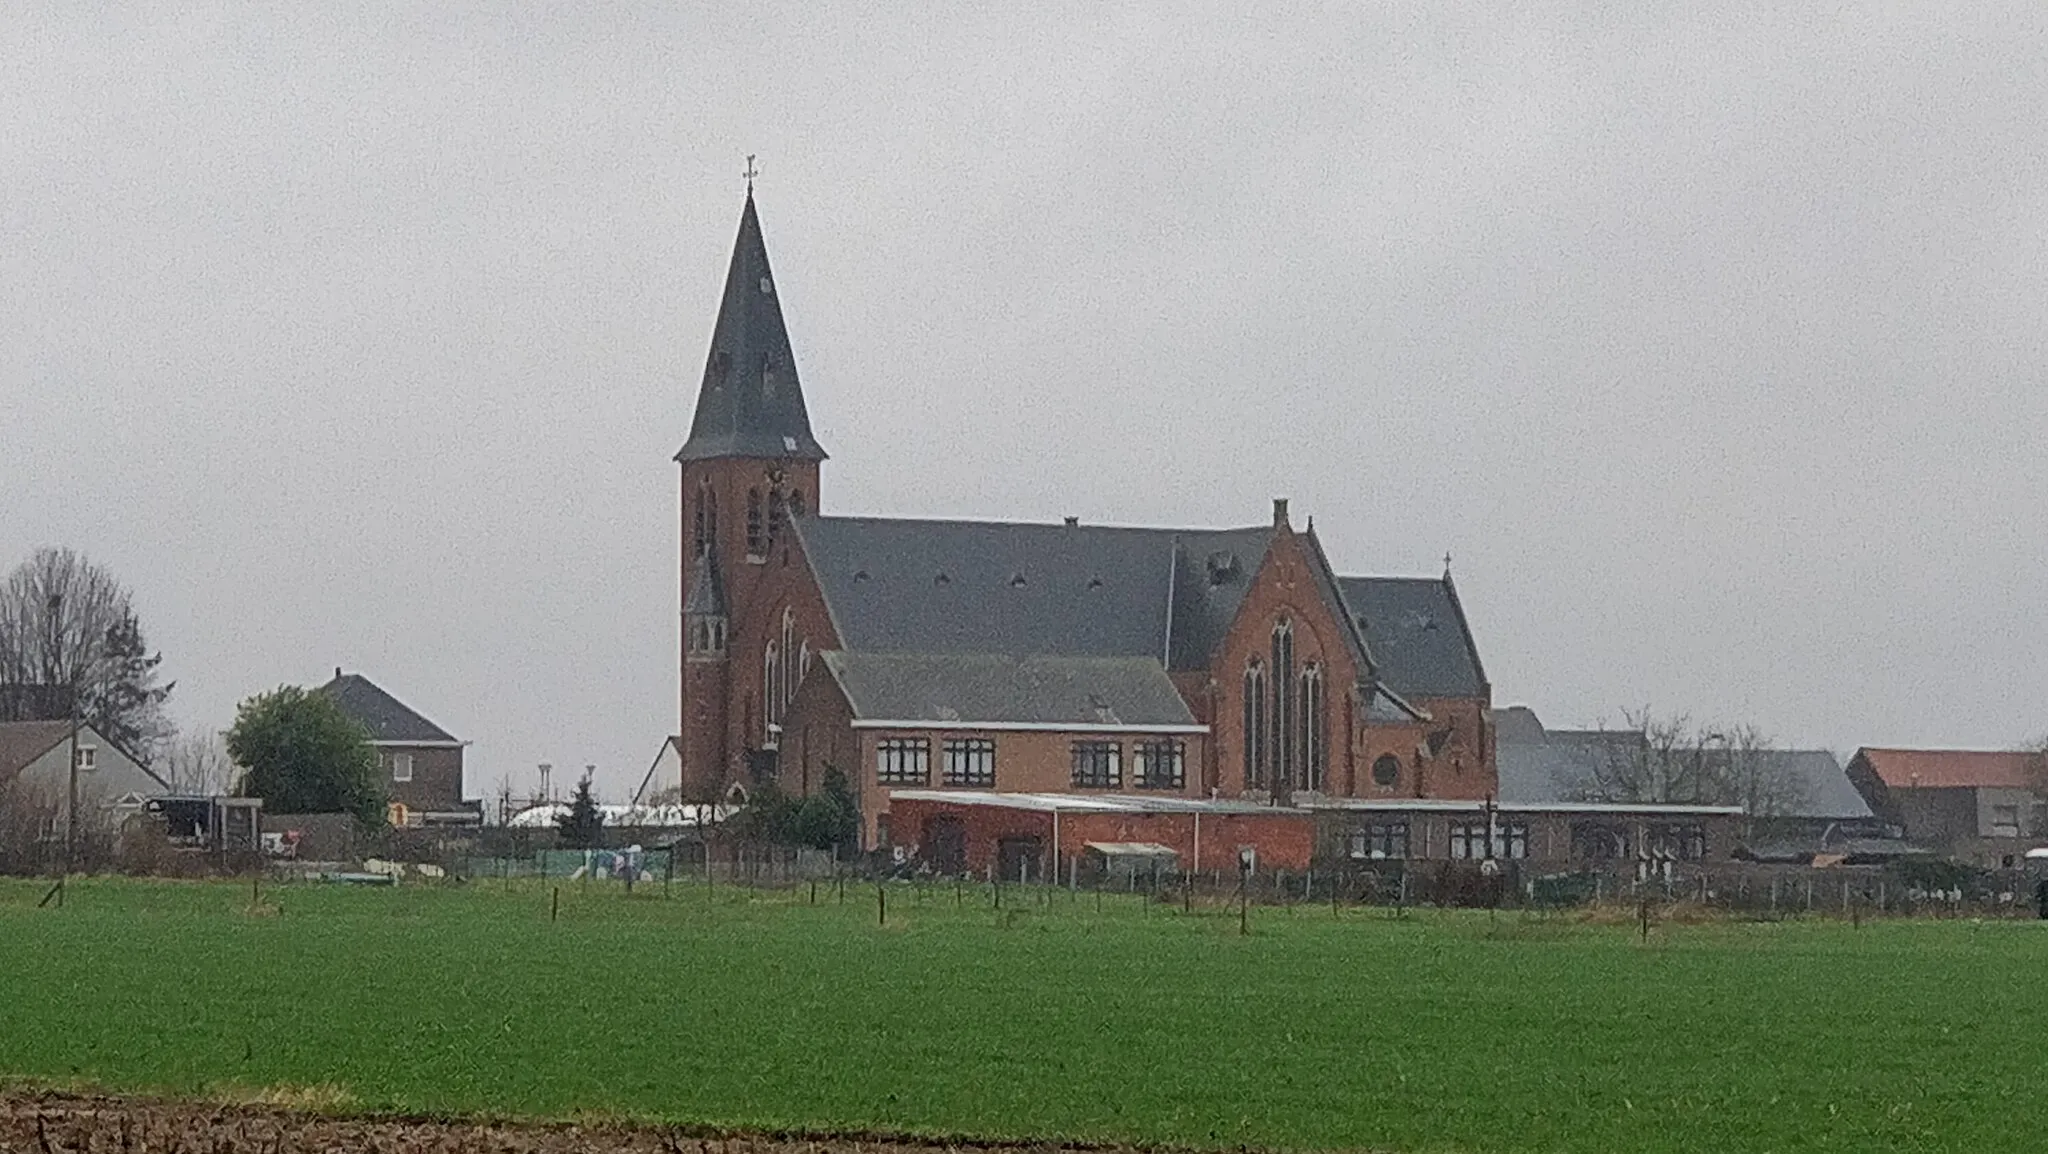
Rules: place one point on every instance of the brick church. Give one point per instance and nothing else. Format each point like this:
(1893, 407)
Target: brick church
(1002, 663)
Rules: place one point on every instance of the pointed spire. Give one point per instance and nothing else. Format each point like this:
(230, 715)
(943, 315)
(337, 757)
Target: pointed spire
(750, 403)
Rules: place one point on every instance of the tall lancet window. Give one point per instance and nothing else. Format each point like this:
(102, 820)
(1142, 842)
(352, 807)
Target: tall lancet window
(1254, 724)
(771, 691)
(791, 673)
(757, 526)
(704, 519)
(1314, 752)
(1281, 745)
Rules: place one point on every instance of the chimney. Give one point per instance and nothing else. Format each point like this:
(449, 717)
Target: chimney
(337, 673)
(1280, 513)
(1072, 521)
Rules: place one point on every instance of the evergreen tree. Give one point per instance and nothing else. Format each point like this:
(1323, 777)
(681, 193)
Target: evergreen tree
(829, 817)
(583, 826)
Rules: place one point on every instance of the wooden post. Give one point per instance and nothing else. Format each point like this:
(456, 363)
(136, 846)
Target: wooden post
(1244, 906)
(555, 905)
(881, 904)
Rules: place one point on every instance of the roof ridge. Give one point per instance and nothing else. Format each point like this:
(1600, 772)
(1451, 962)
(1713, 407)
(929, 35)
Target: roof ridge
(1099, 526)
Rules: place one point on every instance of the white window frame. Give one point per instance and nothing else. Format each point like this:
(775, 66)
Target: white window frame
(88, 758)
(401, 767)
(903, 761)
(968, 763)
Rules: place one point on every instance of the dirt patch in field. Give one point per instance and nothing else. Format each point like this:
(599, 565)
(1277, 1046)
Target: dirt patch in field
(55, 1123)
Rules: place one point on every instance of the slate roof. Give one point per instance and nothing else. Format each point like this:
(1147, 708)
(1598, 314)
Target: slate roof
(21, 742)
(1547, 772)
(1828, 791)
(707, 592)
(750, 403)
(1949, 768)
(1416, 631)
(386, 717)
(1007, 689)
(977, 587)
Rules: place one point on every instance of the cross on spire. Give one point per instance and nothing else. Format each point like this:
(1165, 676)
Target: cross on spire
(1447, 564)
(750, 173)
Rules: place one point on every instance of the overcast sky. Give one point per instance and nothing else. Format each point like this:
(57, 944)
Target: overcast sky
(1711, 342)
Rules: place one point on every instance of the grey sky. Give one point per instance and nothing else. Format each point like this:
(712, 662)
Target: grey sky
(1710, 342)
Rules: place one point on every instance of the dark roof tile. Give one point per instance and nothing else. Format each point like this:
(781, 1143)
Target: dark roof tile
(386, 717)
(1420, 643)
(968, 689)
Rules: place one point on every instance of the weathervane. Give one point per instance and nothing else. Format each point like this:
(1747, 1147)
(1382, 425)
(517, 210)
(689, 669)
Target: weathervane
(1447, 564)
(750, 173)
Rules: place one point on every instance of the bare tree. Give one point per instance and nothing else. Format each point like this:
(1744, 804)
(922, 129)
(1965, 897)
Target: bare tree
(69, 639)
(1634, 763)
(197, 762)
(1671, 760)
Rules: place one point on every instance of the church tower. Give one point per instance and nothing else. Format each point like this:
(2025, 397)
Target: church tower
(750, 462)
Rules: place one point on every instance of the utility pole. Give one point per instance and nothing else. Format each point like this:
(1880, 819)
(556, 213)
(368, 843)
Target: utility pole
(56, 607)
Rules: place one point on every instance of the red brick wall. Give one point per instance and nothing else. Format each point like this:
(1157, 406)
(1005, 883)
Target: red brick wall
(436, 784)
(1284, 839)
(819, 732)
(720, 706)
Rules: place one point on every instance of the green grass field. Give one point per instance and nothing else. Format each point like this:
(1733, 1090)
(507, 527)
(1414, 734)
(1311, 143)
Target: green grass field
(1436, 1032)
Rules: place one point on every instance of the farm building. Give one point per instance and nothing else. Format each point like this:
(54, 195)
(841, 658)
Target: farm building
(1977, 806)
(1021, 836)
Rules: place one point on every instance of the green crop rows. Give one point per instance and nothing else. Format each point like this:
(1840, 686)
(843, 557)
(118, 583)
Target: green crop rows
(1049, 1018)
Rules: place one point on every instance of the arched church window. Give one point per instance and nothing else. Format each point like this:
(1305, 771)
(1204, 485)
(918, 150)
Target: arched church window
(796, 502)
(786, 678)
(757, 527)
(771, 688)
(1314, 755)
(767, 374)
(1254, 725)
(1280, 724)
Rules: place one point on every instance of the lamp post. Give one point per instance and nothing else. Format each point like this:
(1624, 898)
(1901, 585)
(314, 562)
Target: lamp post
(1699, 757)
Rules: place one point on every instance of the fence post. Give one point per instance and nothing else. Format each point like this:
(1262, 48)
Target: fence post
(555, 905)
(881, 904)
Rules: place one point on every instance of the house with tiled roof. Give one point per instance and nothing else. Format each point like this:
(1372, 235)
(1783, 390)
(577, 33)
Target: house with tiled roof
(1980, 806)
(420, 762)
(36, 778)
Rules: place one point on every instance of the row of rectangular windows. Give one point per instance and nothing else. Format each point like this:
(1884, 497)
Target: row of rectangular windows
(971, 762)
(1388, 841)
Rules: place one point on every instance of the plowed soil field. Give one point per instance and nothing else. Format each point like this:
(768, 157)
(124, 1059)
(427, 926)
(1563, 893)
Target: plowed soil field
(50, 1123)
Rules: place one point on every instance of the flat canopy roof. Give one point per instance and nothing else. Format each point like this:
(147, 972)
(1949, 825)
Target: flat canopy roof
(1131, 849)
(1440, 805)
(1089, 802)
(1134, 803)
